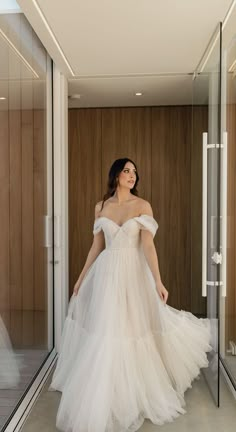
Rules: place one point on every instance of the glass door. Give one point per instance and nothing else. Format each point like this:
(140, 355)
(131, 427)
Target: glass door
(26, 206)
(206, 192)
(228, 297)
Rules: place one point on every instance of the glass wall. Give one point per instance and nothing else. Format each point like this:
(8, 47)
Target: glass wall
(214, 111)
(26, 271)
(228, 303)
(205, 207)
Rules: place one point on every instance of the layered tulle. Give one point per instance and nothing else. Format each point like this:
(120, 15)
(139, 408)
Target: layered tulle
(9, 364)
(125, 356)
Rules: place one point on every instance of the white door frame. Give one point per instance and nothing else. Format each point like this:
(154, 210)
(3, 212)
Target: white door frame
(61, 274)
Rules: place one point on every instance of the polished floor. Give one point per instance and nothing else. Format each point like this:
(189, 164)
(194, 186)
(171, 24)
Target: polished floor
(201, 416)
(30, 360)
(230, 362)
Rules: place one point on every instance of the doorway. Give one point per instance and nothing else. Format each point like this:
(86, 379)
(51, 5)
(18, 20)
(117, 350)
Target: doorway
(181, 152)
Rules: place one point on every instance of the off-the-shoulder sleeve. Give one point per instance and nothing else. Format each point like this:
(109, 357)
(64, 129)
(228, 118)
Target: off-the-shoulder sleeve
(97, 226)
(148, 222)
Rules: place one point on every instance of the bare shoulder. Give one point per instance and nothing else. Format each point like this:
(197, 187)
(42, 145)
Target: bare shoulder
(98, 208)
(145, 207)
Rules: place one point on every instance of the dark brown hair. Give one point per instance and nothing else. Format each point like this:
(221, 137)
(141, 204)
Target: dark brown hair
(114, 172)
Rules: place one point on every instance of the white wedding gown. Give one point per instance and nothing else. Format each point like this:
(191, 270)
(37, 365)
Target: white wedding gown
(125, 355)
(9, 364)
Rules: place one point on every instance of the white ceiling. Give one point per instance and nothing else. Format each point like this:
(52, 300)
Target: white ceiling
(120, 91)
(118, 47)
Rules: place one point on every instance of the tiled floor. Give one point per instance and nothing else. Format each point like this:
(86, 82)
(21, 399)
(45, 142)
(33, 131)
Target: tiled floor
(31, 360)
(201, 416)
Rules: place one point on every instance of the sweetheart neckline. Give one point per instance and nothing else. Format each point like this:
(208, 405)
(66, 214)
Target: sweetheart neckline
(120, 226)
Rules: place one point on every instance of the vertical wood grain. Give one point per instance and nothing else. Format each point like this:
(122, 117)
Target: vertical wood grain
(84, 184)
(15, 209)
(39, 203)
(5, 212)
(126, 132)
(159, 141)
(171, 156)
(27, 210)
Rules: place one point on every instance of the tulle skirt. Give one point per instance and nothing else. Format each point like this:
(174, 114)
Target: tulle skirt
(9, 364)
(125, 355)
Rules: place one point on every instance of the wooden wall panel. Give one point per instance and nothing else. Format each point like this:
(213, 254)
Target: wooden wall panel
(159, 141)
(27, 210)
(15, 209)
(23, 198)
(84, 184)
(4, 215)
(40, 209)
(126, 132)
(171, 162)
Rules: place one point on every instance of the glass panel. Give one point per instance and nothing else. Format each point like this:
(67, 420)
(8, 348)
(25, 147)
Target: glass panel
(25, 202)
(206, 118)
(228, 303)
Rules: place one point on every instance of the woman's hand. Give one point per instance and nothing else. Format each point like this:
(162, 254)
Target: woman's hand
(76, 287)
(162, 291)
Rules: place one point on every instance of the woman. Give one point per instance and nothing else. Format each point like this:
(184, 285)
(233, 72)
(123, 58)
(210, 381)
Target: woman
(125, 354)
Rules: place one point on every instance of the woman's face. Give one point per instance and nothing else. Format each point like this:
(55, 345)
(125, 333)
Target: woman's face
(127, 177)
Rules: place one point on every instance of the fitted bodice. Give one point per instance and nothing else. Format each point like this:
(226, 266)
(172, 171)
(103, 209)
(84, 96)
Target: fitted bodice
(128, 234)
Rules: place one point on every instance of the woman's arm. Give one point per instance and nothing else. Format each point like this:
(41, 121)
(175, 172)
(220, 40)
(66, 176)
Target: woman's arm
(96, 248)
(150, 254)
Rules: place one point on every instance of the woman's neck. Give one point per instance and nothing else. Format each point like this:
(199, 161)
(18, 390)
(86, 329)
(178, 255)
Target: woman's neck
(122, 195)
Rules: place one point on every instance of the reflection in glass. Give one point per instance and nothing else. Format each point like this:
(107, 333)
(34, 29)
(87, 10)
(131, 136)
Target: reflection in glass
(206, 118)
(9, 367)
(228, 303)
(25, 205)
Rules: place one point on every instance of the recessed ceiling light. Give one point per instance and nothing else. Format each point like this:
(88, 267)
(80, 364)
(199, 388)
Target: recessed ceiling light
(2, 98)
(138, 94)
